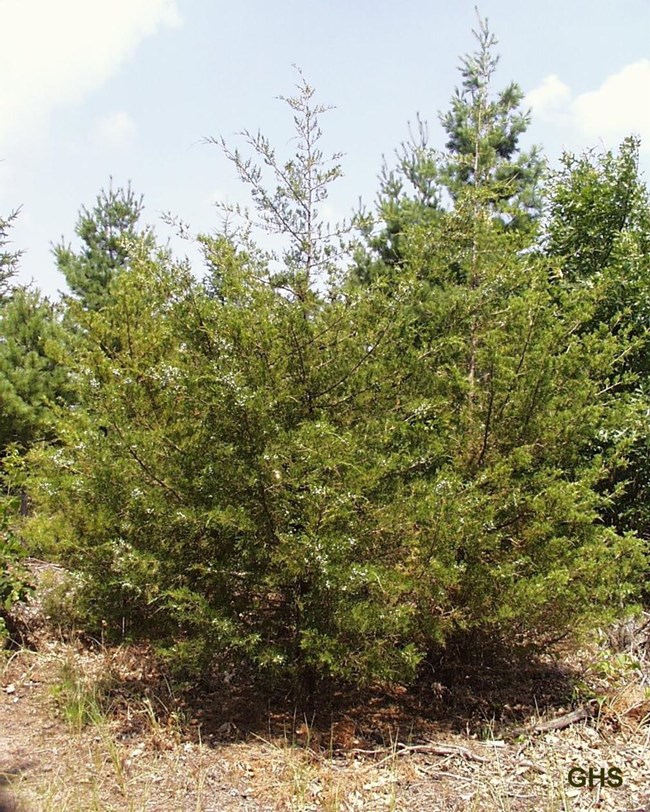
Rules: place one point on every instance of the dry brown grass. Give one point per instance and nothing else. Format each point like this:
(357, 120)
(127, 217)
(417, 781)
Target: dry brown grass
(139, 754)
(99, 729)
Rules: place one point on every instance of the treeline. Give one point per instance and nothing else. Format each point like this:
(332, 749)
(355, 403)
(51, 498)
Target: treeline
(330, 460)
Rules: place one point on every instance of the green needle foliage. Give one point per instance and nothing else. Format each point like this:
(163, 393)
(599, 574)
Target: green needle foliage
(330, 480)
(14, 578)
(598, 233)
(482, 152)
(29, 383)
(8, 259)
(33, 372)
(106, 233)
(483, 139)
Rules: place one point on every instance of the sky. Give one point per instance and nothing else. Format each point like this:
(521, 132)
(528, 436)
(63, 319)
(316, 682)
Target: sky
(130, 90)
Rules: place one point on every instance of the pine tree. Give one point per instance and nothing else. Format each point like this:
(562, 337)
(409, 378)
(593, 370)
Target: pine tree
(483, 133)
(108, 233)
(33, 375)
(482, 152)
(33, 384)
(8, 259)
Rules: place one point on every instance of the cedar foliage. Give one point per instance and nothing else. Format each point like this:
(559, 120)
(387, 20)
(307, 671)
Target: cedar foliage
(328, 474)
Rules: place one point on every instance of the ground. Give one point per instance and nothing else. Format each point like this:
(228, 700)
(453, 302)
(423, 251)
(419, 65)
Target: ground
(84, 726)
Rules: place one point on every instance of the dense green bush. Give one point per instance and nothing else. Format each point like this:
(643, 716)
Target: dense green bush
(328, 469)
(318, 487)
(15, 581)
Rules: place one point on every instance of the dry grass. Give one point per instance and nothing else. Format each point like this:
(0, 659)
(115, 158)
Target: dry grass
(101, 729)
(71, 743)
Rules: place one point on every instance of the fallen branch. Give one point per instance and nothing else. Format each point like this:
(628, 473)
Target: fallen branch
(430, 749)
(438, 775)
(440, 750)
(561, 722)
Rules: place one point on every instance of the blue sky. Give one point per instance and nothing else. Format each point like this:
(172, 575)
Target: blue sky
(130, 88)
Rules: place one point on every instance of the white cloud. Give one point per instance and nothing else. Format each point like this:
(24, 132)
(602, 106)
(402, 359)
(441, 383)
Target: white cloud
(550, 98)
(619, 106)
(609, 113)
(115, 131)
(55, 52)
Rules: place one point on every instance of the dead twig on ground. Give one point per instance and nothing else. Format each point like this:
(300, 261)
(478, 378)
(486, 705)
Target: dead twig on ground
(587, 711)
(429, 749)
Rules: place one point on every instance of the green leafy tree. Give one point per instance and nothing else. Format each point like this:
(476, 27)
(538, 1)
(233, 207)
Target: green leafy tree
(597, 213)
(598, 233)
